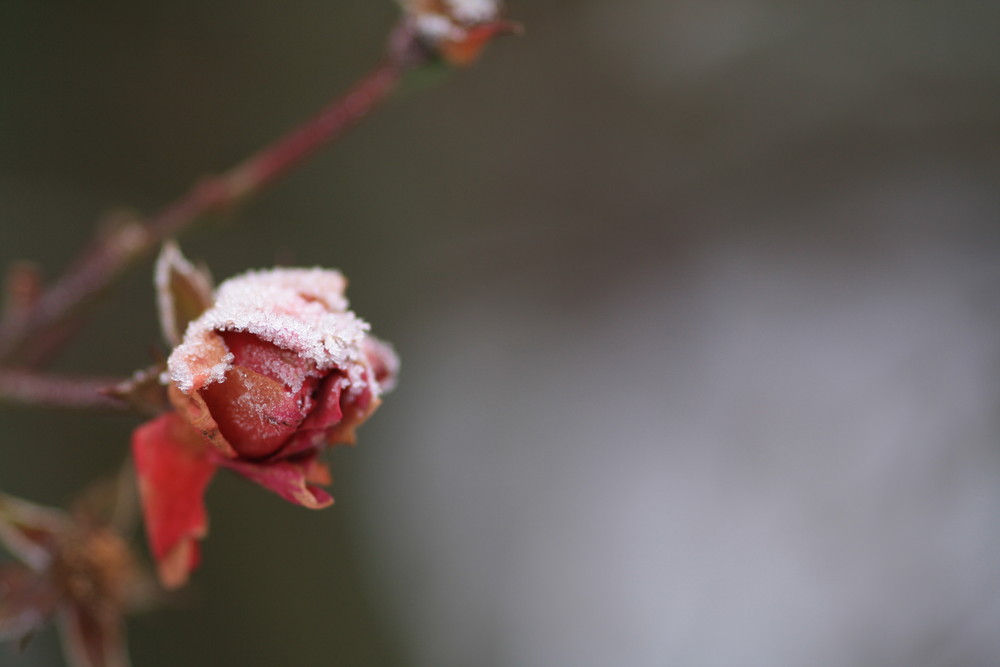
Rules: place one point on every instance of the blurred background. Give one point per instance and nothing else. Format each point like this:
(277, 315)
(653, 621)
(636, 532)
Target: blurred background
(696, 303)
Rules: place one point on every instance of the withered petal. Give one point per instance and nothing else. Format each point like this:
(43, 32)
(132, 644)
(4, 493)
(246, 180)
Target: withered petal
(290, 479)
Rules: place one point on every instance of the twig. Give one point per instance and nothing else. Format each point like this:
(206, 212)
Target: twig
(51, 391)
(116, 251)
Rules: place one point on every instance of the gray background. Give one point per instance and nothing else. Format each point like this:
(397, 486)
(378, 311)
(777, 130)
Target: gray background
(697, 306)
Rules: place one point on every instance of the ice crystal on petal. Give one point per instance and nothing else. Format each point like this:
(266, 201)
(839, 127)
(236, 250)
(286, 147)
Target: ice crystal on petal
(436, 27)
(301, 310)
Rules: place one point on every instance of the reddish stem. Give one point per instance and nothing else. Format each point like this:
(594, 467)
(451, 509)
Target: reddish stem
(112, 254)
(29, 388)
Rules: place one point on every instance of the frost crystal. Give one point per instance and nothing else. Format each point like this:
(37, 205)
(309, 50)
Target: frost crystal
(473, 11)
(438, 20)
(436, 27)
(301, 310)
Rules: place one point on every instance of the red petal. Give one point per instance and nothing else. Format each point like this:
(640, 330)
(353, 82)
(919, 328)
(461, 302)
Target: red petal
(193, 409)
(383, 361)
(289, 479)
(268, 359)
(357, 409)
(254, 413)
(313, 431)
(174, 465)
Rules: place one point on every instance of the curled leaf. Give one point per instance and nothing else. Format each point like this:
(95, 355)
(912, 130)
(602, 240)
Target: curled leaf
(183, 292)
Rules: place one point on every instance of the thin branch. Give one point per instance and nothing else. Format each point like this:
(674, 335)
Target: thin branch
(116, 251)
(52, 391)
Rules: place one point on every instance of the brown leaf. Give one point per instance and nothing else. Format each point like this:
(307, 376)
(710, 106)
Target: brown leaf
(183, 292)
(144, 391)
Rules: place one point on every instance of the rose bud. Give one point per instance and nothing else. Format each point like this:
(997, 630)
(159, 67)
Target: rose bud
(457, 30)
(276, 369)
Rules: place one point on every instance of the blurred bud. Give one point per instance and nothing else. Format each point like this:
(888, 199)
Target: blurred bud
(457, 30)
(76, 571)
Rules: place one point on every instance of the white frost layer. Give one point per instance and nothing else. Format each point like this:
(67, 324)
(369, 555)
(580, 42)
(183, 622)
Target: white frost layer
(448, 19)
(473, 11)
(302, 310)
(437, 27)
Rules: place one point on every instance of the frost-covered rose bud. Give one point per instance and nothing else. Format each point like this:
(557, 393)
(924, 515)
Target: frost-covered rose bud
(276, 369)
(278, 366)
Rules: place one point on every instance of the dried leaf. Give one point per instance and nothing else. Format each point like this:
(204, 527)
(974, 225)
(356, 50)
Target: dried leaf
(144, 391)
(183, 292)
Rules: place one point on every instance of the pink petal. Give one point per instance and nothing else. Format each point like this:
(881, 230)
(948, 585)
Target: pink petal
(255, 414)
(261, 356)
(174, 466)
(356, 408)
(290, 479)
(313, 431)
(383, 361)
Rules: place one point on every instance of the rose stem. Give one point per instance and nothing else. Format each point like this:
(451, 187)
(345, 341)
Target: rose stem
(28, 388)
(114, 252)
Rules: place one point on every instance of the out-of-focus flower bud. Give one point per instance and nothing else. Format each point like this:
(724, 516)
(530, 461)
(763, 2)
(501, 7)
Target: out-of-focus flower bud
(457, 30)
(74, 570)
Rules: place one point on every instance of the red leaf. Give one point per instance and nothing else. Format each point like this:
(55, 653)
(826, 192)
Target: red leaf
(174, 465)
